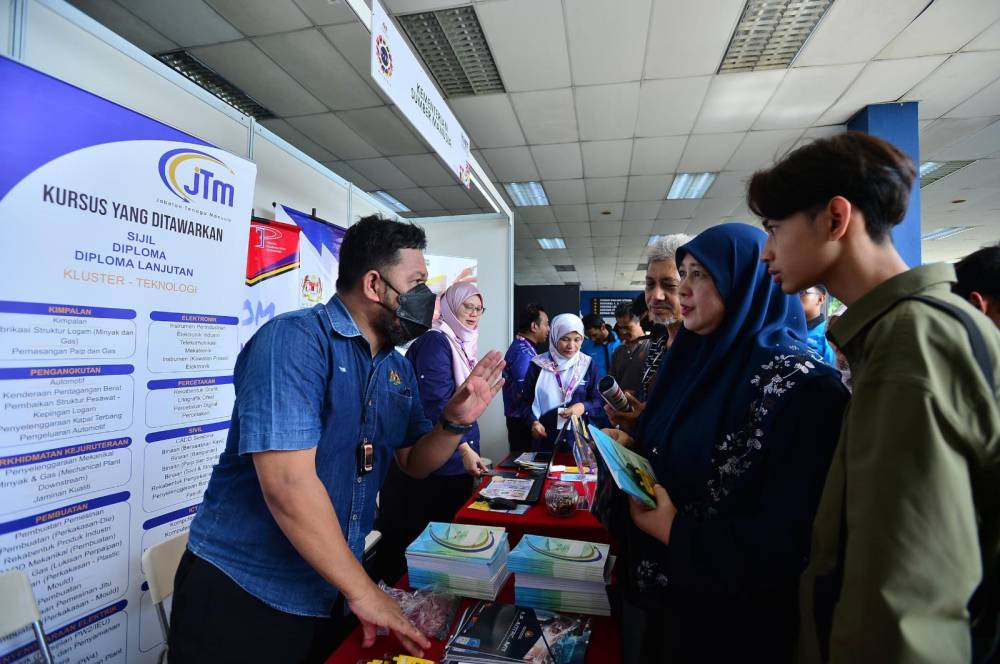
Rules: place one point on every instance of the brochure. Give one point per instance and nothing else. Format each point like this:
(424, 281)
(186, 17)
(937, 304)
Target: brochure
(631, 472)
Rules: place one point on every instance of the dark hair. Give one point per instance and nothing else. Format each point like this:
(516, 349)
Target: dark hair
(373, 244)
(873, 175)
(592, 321)
(529, 314)
(979, 272)
(626, 310)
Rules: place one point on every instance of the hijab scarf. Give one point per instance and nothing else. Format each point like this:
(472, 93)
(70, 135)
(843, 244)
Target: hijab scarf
(560, 376)
(463, 340)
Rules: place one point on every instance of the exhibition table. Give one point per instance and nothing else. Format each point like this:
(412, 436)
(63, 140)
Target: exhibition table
(604, 647)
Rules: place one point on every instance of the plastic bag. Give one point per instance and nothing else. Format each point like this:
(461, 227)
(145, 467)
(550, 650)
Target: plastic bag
(429, 609)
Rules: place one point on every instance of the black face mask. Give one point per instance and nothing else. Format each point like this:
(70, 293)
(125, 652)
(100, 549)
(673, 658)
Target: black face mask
(415, 310)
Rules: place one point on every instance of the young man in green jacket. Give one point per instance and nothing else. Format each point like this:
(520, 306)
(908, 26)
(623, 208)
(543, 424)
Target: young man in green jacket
(909, 522)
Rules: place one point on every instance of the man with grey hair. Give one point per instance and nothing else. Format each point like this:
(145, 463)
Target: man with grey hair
(664, 310)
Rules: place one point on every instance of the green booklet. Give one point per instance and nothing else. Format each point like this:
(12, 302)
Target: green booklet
(631, 472)
(458, 540)
(565, 558)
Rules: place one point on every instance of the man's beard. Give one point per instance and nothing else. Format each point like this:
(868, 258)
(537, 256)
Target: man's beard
(390, 327)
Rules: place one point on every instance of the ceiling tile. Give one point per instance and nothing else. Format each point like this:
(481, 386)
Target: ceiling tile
(867, 26)
(820, 132)
(984, 143)
(565, 192)
(605, 229)
(547, 116)
(415, 199)
(610, 251)
(944, 26)
(357, 179)
(314, 63)
(597, 210)
(804, 94)
(881, 81)
(296, 138)
(988, 39)
(716, 208)
(519, 45)
(648, 187)
(730, 184)
(383, 130)
(330, 131)
(669, 108)
(545, 230)
(681, 209)
(558, 162)
(944, 132)
(670, 226)
(575, 243)
(536, 214)
(986, 102)
(263, 17)
(511, 164)
(606, 158)
(960, 77)
(353, 42)
(642, 210)
(606, 44)
(126, 24)
(324, 12)
(734, 101)
(424, 169)
(601, 190)
(489, 120)
(657, 156)
(687, 40)
(575, 230)
(453, 197)
(708, 152)
(571, 213)
(382, 172)
(245, 66)
(762, 148)
(607, 111)
(637, 228)
(186, 22)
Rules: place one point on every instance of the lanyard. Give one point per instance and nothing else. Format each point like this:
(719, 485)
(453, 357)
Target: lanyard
(566, 392)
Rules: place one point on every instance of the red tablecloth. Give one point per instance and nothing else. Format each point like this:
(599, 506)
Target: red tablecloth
(604, 647)
(582, 525)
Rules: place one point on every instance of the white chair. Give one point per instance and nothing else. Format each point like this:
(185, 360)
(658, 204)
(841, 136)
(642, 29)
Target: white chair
(160, 564)
(19, 609)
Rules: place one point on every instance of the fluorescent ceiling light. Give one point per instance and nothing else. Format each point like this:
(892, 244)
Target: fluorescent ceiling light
(551, 243)
(690, 185)
(932, 171)
(204, 76)
(526, 194)
(929, 167)
(942, 233)
(389, 201)
(771, 33)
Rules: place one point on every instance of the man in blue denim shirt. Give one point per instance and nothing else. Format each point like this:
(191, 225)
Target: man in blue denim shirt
(323, 401)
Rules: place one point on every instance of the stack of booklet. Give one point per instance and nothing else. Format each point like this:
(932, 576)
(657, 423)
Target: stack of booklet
(492, 633)
(561, 574)
(461, 559)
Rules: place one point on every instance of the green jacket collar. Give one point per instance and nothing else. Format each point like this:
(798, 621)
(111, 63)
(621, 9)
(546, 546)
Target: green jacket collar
(883, 297)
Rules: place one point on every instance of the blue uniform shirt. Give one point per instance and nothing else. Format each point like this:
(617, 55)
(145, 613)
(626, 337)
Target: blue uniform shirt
(518, 360)
(817, 341)
(600, 354)
(306, 379)
(431, 358)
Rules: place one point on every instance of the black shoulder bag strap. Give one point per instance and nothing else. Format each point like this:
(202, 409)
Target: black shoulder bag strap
(984, 608)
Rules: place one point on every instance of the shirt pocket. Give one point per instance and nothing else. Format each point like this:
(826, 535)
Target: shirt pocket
(395, 417)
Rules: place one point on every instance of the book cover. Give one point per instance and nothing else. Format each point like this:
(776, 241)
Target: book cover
(456, 540)
(513, 633)
(631, 472)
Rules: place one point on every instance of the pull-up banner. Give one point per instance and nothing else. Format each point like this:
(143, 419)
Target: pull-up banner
(125, 254)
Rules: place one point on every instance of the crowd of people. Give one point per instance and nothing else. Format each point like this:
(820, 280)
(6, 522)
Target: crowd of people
(828, 480)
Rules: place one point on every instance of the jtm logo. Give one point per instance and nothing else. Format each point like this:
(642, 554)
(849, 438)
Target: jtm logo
(185, 174)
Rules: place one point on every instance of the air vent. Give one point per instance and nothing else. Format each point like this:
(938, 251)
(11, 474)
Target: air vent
(193, 69)
(932, 171)
(771, 33)
(565, 268)
(454, 50)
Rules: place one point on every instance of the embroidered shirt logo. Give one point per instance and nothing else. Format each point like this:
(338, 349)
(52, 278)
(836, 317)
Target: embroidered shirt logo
(394, 377)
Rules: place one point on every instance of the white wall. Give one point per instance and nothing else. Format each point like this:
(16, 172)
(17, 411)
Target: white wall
(487, 241)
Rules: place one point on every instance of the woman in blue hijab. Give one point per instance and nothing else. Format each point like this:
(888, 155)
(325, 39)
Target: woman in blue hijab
(740, 430)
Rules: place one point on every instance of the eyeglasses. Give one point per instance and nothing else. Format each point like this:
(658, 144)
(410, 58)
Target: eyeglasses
(472, 309)
(808, 291)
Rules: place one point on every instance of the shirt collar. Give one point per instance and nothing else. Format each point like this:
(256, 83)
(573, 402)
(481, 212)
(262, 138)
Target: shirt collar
(883, 297)
(340, 318)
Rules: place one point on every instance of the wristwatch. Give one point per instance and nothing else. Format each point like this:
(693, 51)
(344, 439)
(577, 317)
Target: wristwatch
(452, 427)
